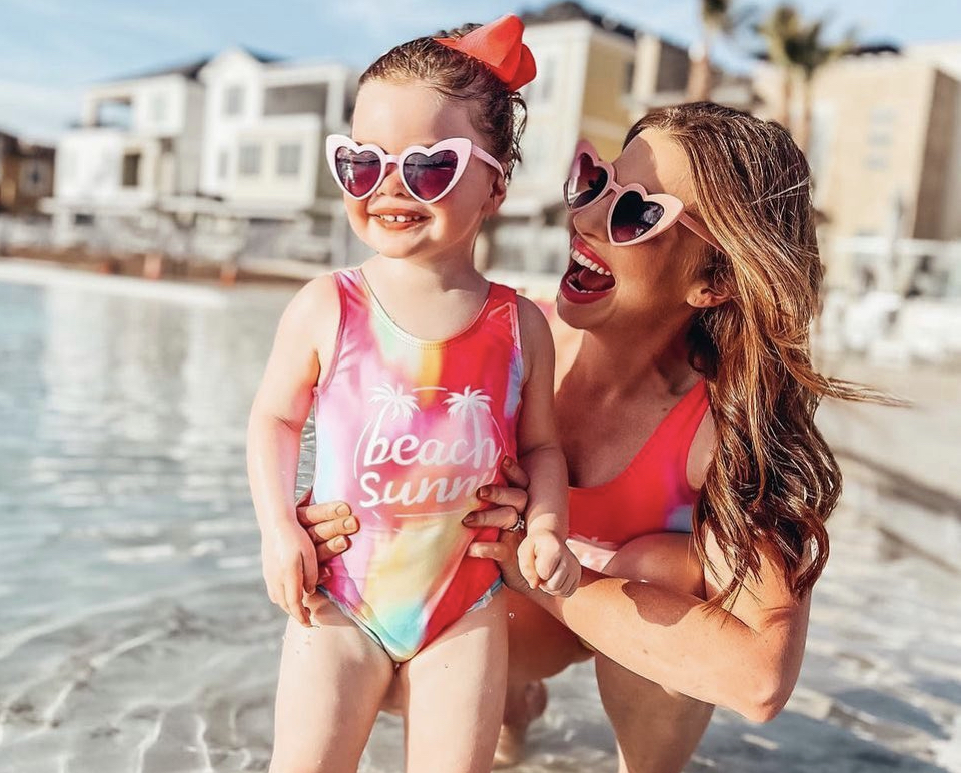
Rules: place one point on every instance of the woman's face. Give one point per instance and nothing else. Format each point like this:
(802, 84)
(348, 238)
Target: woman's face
(647, 281)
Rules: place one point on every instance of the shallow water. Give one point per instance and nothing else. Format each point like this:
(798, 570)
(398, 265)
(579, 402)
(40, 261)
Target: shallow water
(135, 634)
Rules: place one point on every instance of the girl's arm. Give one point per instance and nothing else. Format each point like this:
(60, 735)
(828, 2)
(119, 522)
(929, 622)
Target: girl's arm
(305, 338)
(544, 557)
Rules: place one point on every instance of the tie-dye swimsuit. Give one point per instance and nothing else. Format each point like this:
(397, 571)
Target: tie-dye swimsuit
(407, 430)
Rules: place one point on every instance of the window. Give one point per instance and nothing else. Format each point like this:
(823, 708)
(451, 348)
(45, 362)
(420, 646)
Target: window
(249, 165)
(288, 160)
(629, 77)
(541, 89)
(158, 108)
(131, 170)
(223, 163)
(234, 100)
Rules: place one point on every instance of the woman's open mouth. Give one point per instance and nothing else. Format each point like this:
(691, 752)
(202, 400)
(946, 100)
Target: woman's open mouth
(587, 278)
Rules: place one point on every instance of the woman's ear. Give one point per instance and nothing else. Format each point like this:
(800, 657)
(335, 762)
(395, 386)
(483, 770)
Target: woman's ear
(703, 296)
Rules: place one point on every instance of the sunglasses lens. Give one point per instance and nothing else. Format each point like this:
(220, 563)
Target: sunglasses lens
(429, 176)
(585, 183)
(357, 172)
(632, 217)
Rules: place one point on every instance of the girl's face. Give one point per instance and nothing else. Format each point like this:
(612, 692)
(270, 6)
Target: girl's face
(394, 116)
(650, 281)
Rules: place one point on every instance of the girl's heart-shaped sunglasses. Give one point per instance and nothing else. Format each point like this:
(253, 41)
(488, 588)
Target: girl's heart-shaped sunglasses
(428, 174)
(633, 215)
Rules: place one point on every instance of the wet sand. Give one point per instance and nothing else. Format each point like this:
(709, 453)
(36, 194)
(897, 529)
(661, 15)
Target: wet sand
(136, 634)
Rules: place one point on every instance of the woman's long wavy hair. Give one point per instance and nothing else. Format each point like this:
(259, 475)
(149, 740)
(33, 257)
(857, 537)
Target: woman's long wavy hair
(773, 480)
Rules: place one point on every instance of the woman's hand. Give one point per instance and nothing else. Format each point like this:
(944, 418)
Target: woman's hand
(328, 524)
(510, 501)
(289, 567)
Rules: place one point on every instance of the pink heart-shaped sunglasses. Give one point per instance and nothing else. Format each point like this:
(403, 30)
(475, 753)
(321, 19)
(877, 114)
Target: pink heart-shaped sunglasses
(634, 215)
(428, 174)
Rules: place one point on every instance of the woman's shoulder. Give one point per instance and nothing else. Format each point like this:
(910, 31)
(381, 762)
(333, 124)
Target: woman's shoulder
(702, 451)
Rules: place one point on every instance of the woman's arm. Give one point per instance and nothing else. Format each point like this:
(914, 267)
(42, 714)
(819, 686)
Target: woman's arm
(746, 657)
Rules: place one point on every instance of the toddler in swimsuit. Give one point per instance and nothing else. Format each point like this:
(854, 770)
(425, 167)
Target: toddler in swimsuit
(423, 377)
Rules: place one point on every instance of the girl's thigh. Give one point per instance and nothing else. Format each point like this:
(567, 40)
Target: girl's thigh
(332, 680)
(454, 690)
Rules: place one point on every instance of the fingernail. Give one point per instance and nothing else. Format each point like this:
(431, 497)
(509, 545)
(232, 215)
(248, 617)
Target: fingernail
(469, 520)
(483, 492)
(342, 509)
(507, 463)
(338, 543)
(350, 523)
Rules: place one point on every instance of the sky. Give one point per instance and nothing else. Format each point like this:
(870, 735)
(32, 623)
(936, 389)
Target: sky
(50, 50)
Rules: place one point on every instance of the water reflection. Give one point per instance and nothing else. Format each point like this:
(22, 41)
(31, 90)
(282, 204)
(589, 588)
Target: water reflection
(136, 634)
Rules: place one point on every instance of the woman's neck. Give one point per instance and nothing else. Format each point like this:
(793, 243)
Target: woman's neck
(634, 364)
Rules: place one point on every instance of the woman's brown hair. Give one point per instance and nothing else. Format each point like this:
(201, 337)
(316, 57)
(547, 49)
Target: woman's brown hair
(499, 114)
(773, 479)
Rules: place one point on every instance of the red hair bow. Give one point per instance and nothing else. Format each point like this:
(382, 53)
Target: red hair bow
(499, 46)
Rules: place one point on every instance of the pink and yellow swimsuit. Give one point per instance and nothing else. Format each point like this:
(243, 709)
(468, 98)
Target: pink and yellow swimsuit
(407, 430)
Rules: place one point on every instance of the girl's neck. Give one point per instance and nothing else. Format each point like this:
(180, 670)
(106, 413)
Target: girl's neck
(420, 276)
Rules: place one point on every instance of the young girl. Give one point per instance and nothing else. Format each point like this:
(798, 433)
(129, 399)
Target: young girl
(423, 376)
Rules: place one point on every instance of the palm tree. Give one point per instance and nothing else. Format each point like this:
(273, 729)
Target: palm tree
(797, 47)
(472, 403)
(718, 18)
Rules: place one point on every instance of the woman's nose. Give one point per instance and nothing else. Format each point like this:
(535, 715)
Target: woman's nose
(592, 220)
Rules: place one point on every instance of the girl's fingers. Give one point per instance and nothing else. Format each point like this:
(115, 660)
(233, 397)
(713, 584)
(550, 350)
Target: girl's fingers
(525, 562)
(311, 572)
(292, 596)
(546, 565)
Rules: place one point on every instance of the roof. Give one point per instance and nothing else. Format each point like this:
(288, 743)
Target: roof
(567, 10)
(190, 70)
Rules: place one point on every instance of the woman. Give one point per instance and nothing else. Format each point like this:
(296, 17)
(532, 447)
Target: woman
(685, 398)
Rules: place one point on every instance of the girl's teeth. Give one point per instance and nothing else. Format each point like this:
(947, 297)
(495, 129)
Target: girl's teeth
(400, 218)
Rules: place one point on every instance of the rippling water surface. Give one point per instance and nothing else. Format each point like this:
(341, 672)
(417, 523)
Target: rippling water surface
(135, 634)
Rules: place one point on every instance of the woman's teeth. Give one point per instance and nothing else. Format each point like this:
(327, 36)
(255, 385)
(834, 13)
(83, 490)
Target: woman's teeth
(401, 218)
(588, 263)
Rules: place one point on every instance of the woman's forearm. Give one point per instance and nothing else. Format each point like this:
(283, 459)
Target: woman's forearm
(672, 639)
(273, 452)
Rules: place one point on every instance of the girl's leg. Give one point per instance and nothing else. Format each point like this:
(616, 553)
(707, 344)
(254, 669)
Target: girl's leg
(332, 680)
(455, 694)
(657, 729)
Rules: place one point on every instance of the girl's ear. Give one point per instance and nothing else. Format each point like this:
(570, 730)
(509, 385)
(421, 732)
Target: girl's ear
(496, 198)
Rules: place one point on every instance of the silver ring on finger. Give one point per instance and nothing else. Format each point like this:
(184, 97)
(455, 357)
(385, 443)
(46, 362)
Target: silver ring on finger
(519, 525)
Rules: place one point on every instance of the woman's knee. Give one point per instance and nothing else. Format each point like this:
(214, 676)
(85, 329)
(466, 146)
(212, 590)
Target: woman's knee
(539, 646)
(666, 559)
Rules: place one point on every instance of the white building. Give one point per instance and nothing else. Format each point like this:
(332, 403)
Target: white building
(229, 146)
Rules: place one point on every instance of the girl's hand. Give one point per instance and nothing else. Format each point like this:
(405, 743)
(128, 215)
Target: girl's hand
(547, 563)
(290, 568)
(328, 525)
